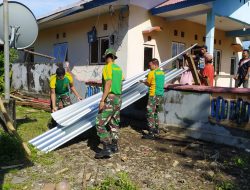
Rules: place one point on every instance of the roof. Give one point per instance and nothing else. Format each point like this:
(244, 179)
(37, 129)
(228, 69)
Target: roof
(61, 9)
(170, 2)
(171, 5)
(80, 6)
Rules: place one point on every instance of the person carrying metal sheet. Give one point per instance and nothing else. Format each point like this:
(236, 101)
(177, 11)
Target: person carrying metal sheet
(155, 82)
(108, 119)
(59, 89)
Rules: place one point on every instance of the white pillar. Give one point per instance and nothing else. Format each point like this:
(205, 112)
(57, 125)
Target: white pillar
(6, 49)
(210, 30)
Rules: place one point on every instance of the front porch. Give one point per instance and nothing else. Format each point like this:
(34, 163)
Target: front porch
(225, 27)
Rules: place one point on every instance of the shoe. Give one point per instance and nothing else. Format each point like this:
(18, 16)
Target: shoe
(105, 152)
(150, 136)
(156, 131)
(114, 146)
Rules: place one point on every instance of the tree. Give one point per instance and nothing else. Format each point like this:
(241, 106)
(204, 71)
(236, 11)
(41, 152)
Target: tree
(13, 58)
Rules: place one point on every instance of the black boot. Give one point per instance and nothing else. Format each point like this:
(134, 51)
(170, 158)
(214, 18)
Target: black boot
(105, 152)
(114, 146)
(150, 135)
(156, 131)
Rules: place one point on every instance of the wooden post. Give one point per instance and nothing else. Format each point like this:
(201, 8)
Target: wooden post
(193, 69)
(12, 129)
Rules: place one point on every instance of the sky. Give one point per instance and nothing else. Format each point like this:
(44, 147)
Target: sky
(41, 7)
(246, 44)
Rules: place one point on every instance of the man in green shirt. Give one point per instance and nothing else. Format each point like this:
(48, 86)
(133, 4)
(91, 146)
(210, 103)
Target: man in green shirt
(155, 81)
(108, 119)
(59, 89)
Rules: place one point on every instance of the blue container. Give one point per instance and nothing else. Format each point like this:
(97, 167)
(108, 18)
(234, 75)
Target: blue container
(218, 108)
(213, 108)
(224, 109)
(232, 113)
(239, 110)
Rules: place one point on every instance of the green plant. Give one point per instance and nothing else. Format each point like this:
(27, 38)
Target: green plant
(226, 185)
(241, 161)
(119, 182)
(13, 58)
(11, 151)
(45, 159)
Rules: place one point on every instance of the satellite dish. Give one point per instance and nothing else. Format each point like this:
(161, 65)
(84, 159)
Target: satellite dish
(23, 29)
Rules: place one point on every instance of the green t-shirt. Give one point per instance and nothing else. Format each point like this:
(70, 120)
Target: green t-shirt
(61, 86)
(156, 80)
(160, 81)
(113, 72)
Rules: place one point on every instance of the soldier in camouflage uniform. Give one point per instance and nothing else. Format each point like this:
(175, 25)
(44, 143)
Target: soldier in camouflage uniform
(59, 89)
(108, 119)
(155, 82)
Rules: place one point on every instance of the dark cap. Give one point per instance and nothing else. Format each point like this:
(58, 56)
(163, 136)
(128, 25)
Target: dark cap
(60, 71)
(204, 47)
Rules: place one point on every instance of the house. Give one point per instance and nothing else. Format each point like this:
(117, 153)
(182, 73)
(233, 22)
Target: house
(139, 30)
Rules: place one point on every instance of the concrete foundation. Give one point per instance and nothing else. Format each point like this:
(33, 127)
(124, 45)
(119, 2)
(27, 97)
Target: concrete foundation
(188, 110)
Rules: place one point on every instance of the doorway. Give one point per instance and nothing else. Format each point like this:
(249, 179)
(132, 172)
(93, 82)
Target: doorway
(217, 61)
(148, 55)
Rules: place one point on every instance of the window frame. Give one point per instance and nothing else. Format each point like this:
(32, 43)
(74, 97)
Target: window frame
(175, 42)
(99, 59)
(176, 63)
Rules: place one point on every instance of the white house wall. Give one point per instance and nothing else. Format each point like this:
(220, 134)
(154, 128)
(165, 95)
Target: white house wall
(76, 37)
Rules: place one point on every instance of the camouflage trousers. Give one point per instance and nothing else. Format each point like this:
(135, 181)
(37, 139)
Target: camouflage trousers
(153, 108)
(64, 98)
(108, 119)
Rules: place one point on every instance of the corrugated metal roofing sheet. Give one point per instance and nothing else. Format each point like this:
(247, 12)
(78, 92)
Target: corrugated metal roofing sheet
(79, 117)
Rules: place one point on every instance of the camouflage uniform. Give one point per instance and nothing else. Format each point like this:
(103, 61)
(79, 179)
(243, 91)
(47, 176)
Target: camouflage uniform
(156, 91)
(153, 108)
(108, 119)
(64, 98)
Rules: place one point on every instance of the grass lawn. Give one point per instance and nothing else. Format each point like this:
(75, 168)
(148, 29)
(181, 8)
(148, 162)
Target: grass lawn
(30, 123)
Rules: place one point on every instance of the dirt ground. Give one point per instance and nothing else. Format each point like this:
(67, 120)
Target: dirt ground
(170, 162)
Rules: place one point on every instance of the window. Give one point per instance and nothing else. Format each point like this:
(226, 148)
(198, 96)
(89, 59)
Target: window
(61, 52)
(148, 55)
(175, 32)
(97, 50)
(196, 37)
(177, 48)
(233, 66)
(182, 34)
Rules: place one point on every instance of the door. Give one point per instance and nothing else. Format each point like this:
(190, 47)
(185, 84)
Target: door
(148, 55)
(217, 61)
(233, 66)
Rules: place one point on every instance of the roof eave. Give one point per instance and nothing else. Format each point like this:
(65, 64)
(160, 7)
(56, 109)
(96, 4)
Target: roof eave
(176, 6)
(74, 10)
